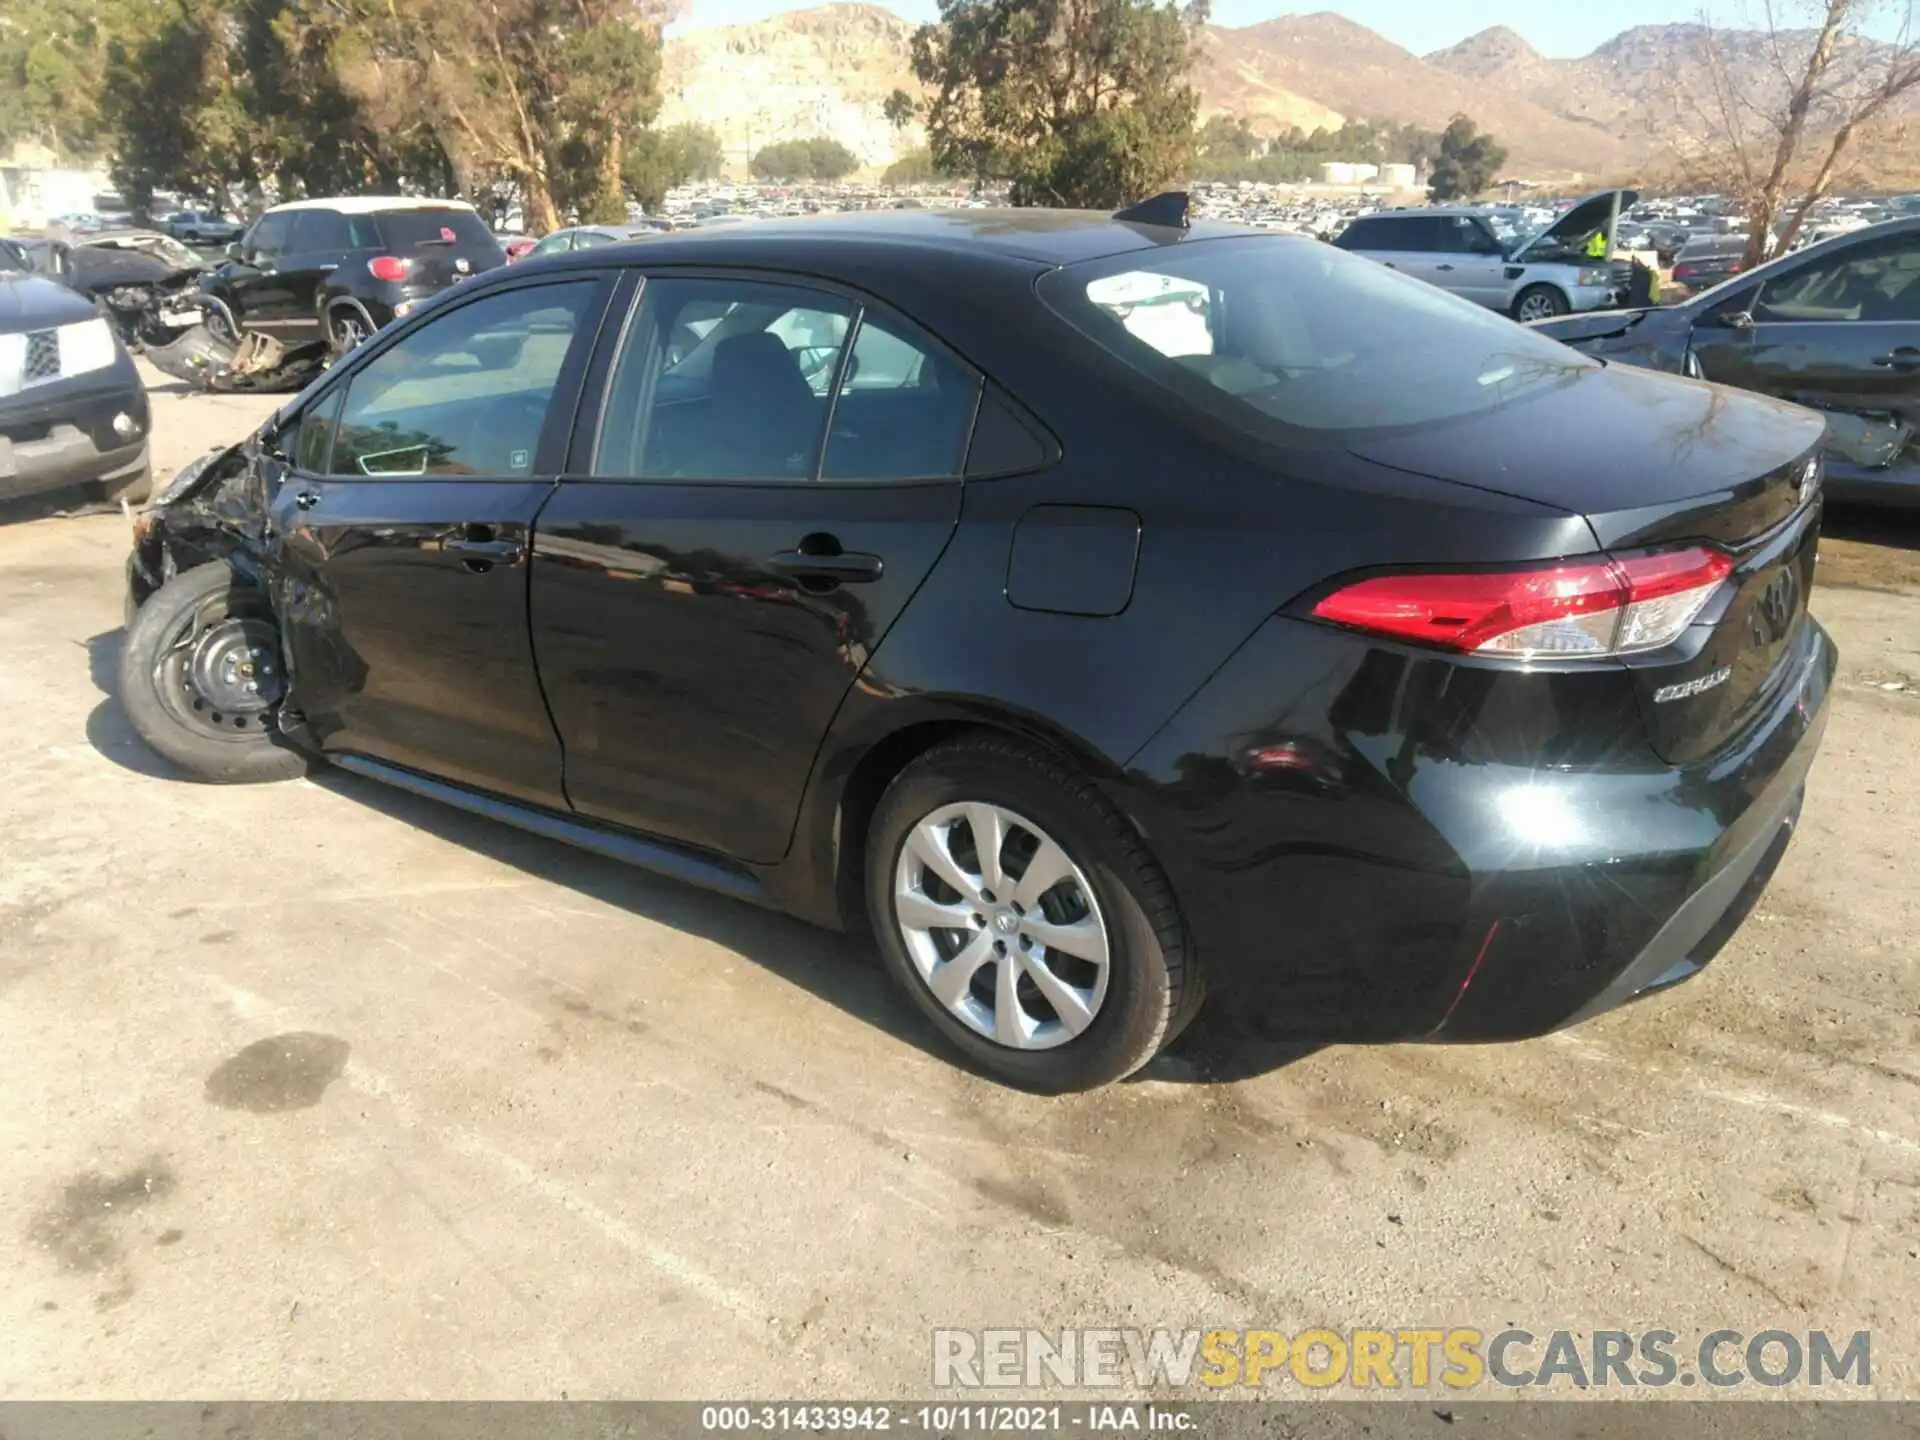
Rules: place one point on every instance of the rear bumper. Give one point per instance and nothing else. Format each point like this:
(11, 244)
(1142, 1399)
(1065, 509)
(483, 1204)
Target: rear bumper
(62, 434)
(1411, 849)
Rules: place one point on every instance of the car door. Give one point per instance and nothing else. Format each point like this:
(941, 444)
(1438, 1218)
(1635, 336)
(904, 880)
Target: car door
(1470, 262)
(1839, 331)
(255, 290)
(313, 251)
(762, 497)
(401, 571)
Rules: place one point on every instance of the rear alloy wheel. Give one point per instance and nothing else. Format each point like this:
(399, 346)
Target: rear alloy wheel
(1024, 917)
(201, 678)
(1539, 302)
(348, 330)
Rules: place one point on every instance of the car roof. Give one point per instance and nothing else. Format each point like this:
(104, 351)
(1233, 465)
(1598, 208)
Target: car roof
(371, 204)
(1040, 238)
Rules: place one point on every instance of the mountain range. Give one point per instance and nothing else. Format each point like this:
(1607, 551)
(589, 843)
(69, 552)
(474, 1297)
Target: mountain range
(828, 70)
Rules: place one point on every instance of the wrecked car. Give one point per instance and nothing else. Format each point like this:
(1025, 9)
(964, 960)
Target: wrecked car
(312, 279)
(145, 282)
(834, 564)
(1835, 327)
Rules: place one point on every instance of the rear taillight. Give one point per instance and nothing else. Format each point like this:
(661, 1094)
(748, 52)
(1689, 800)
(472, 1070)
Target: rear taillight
(388, 267)
(1683, 272)
(1615, 605)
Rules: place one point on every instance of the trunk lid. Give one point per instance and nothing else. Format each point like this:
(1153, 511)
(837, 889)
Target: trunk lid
(442, 244)
(1653, 460)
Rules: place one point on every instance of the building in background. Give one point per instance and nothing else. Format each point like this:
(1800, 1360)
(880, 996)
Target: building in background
(34, 189)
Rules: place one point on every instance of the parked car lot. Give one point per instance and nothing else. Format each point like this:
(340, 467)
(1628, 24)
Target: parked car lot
(318, 1089)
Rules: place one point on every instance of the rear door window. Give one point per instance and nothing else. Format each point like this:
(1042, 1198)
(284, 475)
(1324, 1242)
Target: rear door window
(904, 408)
(723, 379)
(315, 230)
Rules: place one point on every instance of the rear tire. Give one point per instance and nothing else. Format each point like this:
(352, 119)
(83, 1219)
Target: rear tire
(1539, 302)
(186, 666)
(1095, 964)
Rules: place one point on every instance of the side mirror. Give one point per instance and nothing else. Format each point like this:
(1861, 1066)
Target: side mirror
(1734, 319)
(236, 251)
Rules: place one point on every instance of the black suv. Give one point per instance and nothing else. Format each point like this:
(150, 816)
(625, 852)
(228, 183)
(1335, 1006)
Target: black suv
(340, 269)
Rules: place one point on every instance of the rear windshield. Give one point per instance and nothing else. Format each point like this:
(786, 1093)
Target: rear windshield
(1289, 337)
(405, 229)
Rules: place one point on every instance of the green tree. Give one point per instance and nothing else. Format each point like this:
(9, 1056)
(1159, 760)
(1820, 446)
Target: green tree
(1071, 102)
(540, 94)
(658, 160)
(915, 167)
(1465, 162)
(243, 99)
(818, 158)
(1227, 138)
(899, 109)
(52, 56)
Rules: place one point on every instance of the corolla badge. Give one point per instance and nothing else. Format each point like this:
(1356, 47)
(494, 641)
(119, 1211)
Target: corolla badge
(1693, 687)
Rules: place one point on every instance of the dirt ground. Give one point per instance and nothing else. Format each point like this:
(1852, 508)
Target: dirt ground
(318, 1090)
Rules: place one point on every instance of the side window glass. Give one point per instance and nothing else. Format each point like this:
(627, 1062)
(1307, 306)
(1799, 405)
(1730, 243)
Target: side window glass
(587, 239)
(316, 435)
(1870, 284)
(467, 393)
(723, 380)
(269, 236)
(554, 244)
(315, 230)
(904, 410)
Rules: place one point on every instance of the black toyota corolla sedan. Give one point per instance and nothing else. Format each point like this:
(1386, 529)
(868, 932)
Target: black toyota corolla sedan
(1105, 613)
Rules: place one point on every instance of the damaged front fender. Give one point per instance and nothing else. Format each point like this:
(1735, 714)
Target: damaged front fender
(214, 508)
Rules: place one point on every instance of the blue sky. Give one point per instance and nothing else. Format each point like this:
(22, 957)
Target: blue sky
(1553, 27)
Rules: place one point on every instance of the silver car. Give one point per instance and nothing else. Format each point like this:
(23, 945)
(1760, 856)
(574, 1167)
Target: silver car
(1536, 278)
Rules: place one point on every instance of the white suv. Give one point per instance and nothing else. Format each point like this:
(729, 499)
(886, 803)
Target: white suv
(1455, 248)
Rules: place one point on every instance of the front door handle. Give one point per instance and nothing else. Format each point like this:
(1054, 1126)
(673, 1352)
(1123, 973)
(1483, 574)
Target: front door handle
(1443, 267)
(480, 547)
(836, 566)
(1907, 357)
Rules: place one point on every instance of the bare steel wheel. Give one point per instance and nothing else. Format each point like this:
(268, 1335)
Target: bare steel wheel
(201, 678)
(1001, 925)
(1024, 916)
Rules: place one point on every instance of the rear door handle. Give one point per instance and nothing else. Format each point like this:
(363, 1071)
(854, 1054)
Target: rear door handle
(1907, 357)
(306, 499)
(844, 569)
(1443, 267)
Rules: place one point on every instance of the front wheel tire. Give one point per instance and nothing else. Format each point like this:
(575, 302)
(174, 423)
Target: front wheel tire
(1025, 918)
(1539, 302)
(201, 678)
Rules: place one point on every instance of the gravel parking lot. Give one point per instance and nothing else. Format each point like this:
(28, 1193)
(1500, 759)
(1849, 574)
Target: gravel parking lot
(320, 1090)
